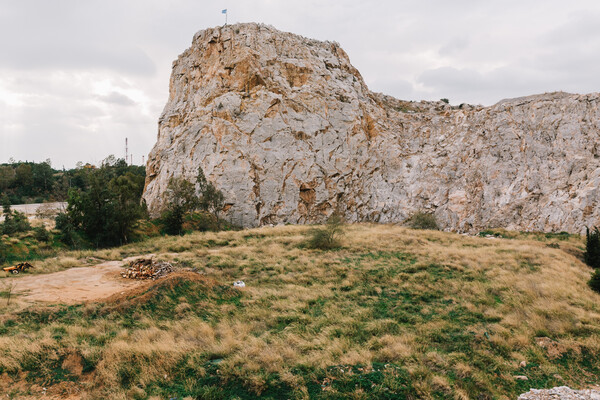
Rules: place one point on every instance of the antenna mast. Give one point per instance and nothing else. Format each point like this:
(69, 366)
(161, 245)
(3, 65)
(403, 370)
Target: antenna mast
(126, 151)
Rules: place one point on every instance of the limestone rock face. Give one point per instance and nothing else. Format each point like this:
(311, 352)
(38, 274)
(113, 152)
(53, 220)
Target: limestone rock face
(286, 127)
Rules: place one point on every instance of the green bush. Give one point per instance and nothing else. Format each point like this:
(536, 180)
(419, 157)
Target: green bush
(67, 233)
(327, 238)
(14, 221)
(422, 220)
(172, 221)
(592, 248)
(200, 221)
(41, 234)
(595, 281)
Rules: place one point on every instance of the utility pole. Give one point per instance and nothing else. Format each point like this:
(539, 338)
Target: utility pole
(126, 151)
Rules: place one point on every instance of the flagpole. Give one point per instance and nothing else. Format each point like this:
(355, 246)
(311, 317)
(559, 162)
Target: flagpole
(224, 11)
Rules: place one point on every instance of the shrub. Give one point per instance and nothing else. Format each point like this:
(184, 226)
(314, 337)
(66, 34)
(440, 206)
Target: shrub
(200, 221)
(67, 232)
(41, 234)
(14, 221)
(592, 248)
(422, 220)
(327, 238)
(172, 220)
(4, 248)
(595, 281)
(145, 229)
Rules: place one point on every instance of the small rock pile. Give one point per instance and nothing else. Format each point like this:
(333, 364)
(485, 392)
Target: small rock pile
(561, 393)
(147, 268)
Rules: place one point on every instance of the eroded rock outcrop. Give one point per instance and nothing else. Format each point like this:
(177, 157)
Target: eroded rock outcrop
(286, 127)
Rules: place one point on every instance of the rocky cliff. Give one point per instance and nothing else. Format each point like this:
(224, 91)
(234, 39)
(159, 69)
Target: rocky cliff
(286, 127)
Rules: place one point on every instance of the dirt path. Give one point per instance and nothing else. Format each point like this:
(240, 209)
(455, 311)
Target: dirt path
(75, 285)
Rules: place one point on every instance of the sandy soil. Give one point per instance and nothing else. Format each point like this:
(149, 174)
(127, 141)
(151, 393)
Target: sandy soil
(75, 285)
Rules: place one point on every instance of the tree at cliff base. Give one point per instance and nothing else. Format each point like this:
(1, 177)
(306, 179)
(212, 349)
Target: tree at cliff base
(592, 248)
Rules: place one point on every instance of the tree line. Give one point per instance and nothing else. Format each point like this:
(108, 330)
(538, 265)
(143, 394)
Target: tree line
(109, 210)
(30, 182)
(105, 208)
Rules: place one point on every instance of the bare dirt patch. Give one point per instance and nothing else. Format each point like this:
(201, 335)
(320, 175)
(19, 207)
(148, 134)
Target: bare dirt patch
(75, 285)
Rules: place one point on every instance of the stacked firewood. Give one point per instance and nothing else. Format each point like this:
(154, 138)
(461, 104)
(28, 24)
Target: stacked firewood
(147, 268)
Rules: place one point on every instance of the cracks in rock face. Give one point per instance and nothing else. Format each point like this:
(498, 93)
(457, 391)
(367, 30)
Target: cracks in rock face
(307, 193)
(256, 188)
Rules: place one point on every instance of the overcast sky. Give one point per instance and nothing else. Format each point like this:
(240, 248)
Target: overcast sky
(78, 76)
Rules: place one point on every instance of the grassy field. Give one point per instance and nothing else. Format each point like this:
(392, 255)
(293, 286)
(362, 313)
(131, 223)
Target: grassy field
(393, 313)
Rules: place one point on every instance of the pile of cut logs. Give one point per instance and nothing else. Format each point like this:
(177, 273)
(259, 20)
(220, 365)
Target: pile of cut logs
(147, 268)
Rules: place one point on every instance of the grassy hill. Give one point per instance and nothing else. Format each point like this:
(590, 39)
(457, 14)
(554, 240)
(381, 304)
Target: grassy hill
(394, 313)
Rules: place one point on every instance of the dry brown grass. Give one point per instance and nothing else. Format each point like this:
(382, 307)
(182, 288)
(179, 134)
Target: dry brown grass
(390, 295)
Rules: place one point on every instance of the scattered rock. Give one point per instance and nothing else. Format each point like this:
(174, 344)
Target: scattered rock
(239, 284)
(561, 393)
(523, 364)
(521, 378)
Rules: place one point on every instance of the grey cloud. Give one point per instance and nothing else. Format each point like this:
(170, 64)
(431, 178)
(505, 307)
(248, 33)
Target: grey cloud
(70, 35)
(580, 29)
(53, 52)
(472, 86)
(117, 98)
(77, 56)
(454, 46)
(74, 132)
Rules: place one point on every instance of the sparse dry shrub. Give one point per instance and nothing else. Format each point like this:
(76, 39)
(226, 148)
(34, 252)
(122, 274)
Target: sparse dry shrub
(395, 348)
(321, 309)
(441, 383)
(423, 220)
(327, 237)
(182, 308)
(136, 393)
